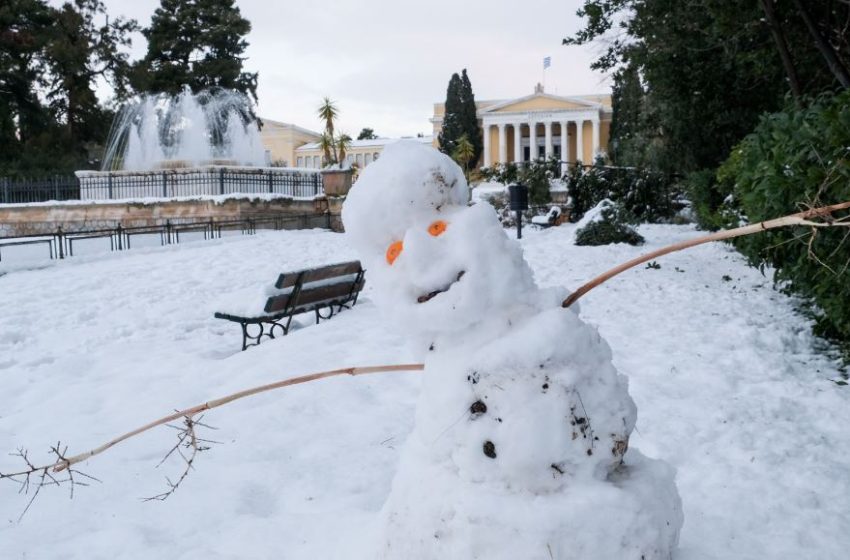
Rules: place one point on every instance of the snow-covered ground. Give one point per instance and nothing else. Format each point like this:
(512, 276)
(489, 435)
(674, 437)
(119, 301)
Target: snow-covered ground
(731, 388)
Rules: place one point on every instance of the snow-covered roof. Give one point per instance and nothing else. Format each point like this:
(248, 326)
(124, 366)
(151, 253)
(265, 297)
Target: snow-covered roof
(377, 142)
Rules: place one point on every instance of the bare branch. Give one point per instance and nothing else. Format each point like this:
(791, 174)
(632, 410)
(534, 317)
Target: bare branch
(804, 218)
(64, 462)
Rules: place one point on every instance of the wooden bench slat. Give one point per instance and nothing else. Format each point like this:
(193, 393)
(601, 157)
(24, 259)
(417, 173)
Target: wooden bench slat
(289, 279)
(309, 295)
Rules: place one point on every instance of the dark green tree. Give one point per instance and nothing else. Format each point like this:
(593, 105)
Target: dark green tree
(709, 69)
(199, 44)
(84, 45)
(469, 119)
(460, 118)
(23, 118)
(452, 130)
(367, 134)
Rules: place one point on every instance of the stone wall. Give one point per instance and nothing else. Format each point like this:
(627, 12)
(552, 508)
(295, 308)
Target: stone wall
(45, 219)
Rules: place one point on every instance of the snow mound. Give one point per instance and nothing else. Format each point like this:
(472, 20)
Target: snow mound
(520, 447)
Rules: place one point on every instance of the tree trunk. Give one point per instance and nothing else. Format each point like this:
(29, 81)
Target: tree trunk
(824, 47)
(782, 46)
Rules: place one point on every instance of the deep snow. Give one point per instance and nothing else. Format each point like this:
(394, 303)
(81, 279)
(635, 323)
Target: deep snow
(730, 386)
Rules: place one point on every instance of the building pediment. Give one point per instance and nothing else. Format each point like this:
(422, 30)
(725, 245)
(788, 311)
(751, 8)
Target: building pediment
(540, 102)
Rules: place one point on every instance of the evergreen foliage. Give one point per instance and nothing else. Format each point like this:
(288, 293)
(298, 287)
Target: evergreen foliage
(692, 78)
(367, 134)
(50, 58)
(199, 44)
(648, 195)
(451, 130)
(796, 158)
(612, 226)
(460, 118)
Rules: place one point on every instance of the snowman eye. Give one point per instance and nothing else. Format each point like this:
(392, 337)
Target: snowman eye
(393, 251)
(437, 228)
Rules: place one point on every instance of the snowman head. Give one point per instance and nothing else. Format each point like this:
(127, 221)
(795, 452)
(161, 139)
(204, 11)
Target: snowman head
(436, 263)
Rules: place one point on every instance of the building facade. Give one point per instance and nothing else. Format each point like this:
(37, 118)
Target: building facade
(360, 154)
(282, 139)
(540, 125)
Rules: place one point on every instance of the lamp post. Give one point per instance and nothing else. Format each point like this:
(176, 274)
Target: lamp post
(518, 195)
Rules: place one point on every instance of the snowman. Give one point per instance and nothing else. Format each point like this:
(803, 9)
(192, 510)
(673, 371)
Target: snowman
(520, 446)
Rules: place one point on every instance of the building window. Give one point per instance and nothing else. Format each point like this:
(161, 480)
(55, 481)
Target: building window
(359, 160)
(300, 162)
(368, 159)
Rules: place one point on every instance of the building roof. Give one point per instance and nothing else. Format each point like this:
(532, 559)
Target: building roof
(377, 142)
(288, 126)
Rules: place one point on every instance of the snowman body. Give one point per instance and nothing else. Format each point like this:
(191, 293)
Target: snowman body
(520, 442)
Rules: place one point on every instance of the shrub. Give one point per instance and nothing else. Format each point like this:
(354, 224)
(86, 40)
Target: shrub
(649, 195)
(605, 233)
(610, 226)
(796, 158)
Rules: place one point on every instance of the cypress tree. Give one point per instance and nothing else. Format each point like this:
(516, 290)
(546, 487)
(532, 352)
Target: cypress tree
(469, 120)
(452, 117)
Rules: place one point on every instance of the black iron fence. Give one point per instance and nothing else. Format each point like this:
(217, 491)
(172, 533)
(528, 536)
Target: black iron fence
(166, 183)
(56, 187)
(61, 244)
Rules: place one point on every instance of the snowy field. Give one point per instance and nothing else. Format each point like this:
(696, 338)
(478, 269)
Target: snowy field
(731, 388)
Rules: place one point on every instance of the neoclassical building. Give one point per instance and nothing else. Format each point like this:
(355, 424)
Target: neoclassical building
(360, 153)
(574, 128)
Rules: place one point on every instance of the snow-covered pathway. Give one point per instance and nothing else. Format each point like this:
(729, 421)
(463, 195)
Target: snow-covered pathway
(725, 375)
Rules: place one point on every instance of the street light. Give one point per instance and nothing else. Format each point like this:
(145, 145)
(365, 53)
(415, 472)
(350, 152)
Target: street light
(518, 195)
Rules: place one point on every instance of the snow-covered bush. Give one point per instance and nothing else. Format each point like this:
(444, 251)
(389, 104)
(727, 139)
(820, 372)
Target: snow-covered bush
(520, 447)
(607, 223)
(650, 196)
(795, 158)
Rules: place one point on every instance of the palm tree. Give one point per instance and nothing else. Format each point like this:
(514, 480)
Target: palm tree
(343, 143)
(463, 153)
(328, 112)
(325, 144)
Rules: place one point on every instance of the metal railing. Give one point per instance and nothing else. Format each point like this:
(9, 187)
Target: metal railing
(56, 187)
(166, 183)
(61, 244)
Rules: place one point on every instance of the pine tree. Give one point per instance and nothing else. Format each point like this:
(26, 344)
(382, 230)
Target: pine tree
(84, 45)
(452, 129)
(23, 29)
(198, 44)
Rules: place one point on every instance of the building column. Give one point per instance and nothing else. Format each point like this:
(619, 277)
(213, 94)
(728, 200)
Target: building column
(549, 147)
(595, 137)
(486, 128)
(532, 141)
(565, 147)
(517, 143)
(503, 144)
(580, 141)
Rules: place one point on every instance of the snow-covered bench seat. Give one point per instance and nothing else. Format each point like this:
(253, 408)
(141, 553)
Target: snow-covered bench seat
(552, 218)
(313, 289)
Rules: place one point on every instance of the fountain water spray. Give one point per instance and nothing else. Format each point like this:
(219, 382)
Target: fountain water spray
(188, 130)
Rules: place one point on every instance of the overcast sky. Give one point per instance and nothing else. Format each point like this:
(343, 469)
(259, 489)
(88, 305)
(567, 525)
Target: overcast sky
(386, 62)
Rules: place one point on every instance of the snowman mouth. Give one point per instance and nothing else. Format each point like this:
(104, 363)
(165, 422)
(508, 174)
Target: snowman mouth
(431, 295)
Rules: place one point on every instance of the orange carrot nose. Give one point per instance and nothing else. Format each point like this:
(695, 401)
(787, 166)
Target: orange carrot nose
(437, 228)
(393, 251)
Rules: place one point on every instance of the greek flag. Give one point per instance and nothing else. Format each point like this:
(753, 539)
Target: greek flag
(547, 62)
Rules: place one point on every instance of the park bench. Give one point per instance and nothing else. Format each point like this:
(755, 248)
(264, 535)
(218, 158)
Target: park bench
(554, 217)
(324, 290)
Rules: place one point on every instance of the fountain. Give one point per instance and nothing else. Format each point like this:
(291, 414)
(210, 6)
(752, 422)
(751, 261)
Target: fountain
(187, 130)
(191, 144)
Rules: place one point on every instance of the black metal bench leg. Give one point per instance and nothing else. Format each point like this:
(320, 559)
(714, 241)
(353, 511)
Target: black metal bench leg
(244, 336)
